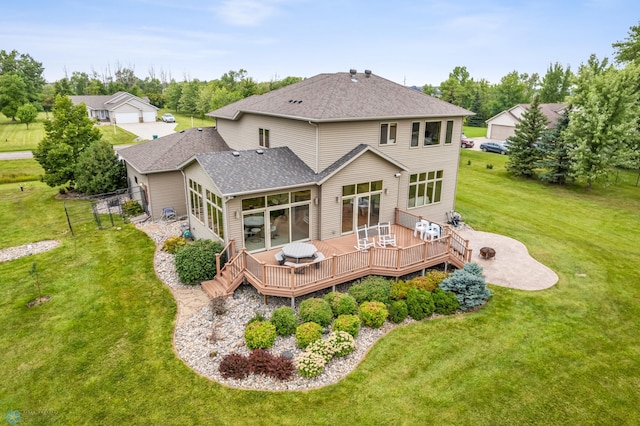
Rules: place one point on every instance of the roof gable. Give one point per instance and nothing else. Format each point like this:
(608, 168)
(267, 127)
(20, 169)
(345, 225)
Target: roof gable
(168, 152)
(339, 97)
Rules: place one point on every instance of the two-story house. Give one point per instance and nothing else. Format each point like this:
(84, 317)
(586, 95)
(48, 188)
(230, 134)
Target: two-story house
(316, 159)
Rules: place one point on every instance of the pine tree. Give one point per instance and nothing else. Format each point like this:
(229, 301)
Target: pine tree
(478, 119)
(523, 149)
(556, 154)
(99, 171)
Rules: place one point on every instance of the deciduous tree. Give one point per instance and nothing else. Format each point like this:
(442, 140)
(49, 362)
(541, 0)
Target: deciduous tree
(628, 51)
(27, 114)
(13, 94)
(555, 84)
(66, 136)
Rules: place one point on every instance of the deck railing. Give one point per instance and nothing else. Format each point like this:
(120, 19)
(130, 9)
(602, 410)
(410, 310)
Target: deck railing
(280, 280)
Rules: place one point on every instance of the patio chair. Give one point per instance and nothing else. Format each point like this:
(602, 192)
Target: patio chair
(432, 231)
(364, 242)
(169, 213)
(385, 237)
(421, 227)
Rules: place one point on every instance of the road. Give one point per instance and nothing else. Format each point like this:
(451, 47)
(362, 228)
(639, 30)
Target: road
(21, 155)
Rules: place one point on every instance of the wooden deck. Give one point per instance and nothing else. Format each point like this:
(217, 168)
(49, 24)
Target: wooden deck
(342, 263)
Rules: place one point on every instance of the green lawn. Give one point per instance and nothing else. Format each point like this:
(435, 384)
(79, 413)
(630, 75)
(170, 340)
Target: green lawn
(100, 351)
(474, 132)
(186, 121)
(20, 171)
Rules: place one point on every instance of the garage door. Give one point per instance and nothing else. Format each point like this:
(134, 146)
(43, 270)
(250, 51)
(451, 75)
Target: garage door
(501, 132)
(149, 117)
(127, 117)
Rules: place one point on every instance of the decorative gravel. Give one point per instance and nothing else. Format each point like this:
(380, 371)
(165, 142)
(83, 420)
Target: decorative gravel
(17, 252)
(204, 339)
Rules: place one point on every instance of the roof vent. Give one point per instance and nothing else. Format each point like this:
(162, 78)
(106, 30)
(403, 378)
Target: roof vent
(352, 73)
(199, 129)
(181, 131)
(235, 154)
(260, 151)
(367, 73)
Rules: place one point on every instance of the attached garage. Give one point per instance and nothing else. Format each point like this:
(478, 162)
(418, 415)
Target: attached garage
(149, 116)
(127, 117)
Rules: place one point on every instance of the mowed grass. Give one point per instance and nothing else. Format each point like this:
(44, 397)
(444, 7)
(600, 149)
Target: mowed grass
(186, 121)
(100, 351)
(474, 132)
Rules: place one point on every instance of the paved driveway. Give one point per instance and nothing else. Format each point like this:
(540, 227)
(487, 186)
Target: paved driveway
(146, 131)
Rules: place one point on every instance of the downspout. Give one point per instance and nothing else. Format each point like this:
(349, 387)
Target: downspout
(317, 146)
(186, 199)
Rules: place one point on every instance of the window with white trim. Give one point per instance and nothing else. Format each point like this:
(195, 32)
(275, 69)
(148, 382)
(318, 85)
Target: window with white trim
(388, 133)
(432, 133)
(449, 133)
(425, 188)
(263, 138)
(214, 214)
(195, 200)
(415, 134)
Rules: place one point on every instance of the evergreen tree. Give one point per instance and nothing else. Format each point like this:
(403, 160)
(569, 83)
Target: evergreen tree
(556, 154)
(523, 150)
(66, 136)
(478, 119)
(98, 170)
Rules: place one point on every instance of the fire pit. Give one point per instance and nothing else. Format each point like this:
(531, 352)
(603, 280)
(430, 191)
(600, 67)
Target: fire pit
(487, 253)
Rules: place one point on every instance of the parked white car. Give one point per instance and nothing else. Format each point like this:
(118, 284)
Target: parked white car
(168, 118)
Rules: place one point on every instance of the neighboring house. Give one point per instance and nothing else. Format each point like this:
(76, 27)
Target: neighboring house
(119, 108)
(153, 165)
(319, 158)
(503, 125)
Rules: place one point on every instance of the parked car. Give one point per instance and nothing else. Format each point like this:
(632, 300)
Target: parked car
(499, 147)
(465, 142)
(168, 118)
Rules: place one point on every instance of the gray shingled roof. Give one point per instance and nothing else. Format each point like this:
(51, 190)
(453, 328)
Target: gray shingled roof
(108, 102)
(268, 169)
(336, 97)
(255, 170)
(168, 152)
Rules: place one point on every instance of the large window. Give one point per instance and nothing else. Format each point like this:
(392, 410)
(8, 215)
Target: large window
(388, 133)
(263, 136)
(415, 134)
(214, 214)
(360, 205)
(449, 134)
(195, 200)
(425, 188)
(432, 133)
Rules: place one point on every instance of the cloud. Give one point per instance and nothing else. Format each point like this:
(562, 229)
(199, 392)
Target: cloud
(247, 13)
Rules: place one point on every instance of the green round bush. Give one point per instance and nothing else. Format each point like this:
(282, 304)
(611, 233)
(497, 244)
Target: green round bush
(341, 343)
(172, 244)
(285, 321)
(316, 310)
(399, 289)
(348, 323)
(445, 301)
(371, 289)
(309, 364)
(260, 335)
(419, 303)
(307, 333)
(398, 311)
(323, 348)
(196, 262)
(341, 303)
(373, 314)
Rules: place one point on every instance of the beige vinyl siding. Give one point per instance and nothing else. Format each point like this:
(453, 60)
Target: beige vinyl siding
(337, 139)
(167, 190)
(366, 168)
(195, 172)
(299, 136)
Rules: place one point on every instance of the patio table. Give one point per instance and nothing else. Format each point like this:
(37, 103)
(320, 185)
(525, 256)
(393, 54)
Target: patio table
(299, 251)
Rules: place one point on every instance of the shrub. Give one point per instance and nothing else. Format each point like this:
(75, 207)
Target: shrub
(265, 363)
(371, 289)
(398, 311)
(473, 268)
(347, 323)
(219, 305)
(316, 310)
(341, 343)
(445, 301)
(307, 333)
(172, 244)
(132, 208)
(322, 348)
(257, 316)
(309, 364)
(430, 281)
(196, 262)
(260, 335)
(341, 303)
(234, 366)
(373, 314)
(285, 321)
(283, 368)
(419, 303)
(469, 287)
(399, 289)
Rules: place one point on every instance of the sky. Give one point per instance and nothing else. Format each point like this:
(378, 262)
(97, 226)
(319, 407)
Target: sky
(409, 42)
